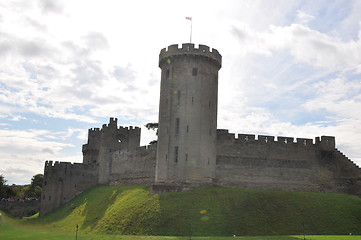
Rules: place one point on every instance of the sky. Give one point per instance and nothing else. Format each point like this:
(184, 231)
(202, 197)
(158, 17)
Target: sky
(290, 68)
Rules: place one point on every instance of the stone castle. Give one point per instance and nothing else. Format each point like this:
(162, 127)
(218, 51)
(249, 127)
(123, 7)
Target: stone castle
(191, 152)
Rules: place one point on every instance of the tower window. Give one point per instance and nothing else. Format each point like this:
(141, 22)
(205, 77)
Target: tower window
(194, 71)
(177, 126)
(187, 128)
(176, 154)
(186, 156)
(178, 96)
(167, 74)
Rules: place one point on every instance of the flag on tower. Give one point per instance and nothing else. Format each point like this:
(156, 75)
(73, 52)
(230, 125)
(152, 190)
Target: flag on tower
(190, 19)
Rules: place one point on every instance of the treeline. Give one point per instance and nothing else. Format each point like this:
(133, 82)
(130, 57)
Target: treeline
(32, 190)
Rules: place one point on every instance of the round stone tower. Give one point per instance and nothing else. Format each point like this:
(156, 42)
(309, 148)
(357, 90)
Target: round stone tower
(187, 132)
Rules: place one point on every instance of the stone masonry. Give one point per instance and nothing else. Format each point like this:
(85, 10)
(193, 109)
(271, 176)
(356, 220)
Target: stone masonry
(191, 152)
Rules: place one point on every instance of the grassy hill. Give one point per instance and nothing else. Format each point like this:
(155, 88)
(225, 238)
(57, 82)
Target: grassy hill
(207, 212)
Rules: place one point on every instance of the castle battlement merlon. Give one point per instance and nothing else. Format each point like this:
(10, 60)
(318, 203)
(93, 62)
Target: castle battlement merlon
(111, 125)
(189, 49)
(51, 165)
(323, 142)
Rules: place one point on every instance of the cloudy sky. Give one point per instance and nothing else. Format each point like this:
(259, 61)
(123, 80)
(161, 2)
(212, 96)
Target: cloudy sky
(290, 68)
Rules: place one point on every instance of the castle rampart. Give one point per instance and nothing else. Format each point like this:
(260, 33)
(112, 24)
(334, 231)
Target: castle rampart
(63, 181)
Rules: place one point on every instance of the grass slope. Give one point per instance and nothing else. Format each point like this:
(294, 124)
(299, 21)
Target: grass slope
(207, 212)
(11, 229)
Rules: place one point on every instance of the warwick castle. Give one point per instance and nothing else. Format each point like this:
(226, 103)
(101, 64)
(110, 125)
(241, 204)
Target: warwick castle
(191, 152)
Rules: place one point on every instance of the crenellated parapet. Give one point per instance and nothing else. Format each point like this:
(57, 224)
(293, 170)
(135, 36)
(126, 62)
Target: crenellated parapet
(224, 137)
(188, 49)
(51, 165)
(113, 126)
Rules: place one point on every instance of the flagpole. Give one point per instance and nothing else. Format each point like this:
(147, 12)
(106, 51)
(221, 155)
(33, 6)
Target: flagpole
(190, 38)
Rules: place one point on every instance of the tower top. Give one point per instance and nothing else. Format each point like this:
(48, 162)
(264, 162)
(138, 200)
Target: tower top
(189, 49)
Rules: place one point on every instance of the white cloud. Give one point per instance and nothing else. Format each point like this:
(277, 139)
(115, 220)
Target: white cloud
(303, 17)
(304, 44)
(28, 149)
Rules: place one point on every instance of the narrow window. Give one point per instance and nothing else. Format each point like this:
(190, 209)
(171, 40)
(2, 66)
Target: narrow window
(167, 74)
(192, 100)
(166, 157)
(187, 128)
(176, 154)
(208, 161)
(177, 126)
(186, 156)
(194, 71)
(178, 96)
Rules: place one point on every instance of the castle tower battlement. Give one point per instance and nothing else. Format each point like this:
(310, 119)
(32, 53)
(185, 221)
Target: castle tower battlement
(188, 49)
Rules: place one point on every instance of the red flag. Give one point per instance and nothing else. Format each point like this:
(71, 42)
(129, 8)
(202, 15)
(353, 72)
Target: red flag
(189, 18)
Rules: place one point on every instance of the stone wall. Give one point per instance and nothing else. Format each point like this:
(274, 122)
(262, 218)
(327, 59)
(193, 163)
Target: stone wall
(21, 208)
(63, 181)
(285, 164)
(134, 167)
(339, 173)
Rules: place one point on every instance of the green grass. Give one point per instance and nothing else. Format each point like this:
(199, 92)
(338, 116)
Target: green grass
(259, 212)
(11, 229)
(209, 212)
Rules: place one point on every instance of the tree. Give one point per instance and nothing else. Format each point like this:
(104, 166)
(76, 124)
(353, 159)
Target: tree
(34, 189)
(2, 180)
(5, 191)
(152, 126)
(37, 180)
